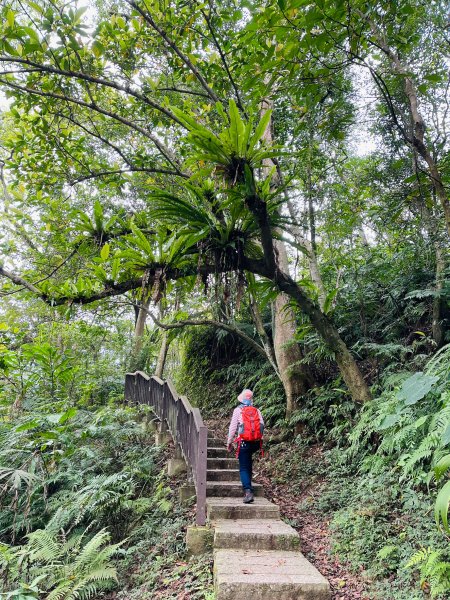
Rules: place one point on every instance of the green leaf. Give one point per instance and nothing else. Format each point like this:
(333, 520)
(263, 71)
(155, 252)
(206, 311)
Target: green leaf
(115, 268)
(250, 187)
(389, 421)
(386, 551)
(329, 300)
(28, 425)
(98, 49)
(441, 507)
(48, 435)
(441, 467)
(236, 128)
(433, 77)
(104, 252)
(78, 14)
(32, 33)
(10, 16)
(9, 48)
(37, 8)
(98, 215)
(69, 414)
(416, 387)
(260, 129)
(445, 440)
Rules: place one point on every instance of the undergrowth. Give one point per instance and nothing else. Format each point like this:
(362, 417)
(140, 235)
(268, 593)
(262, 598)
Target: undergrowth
(372, 473)
(86, 507)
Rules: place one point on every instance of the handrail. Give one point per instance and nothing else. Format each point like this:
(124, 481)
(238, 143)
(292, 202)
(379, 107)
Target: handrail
(184, 422)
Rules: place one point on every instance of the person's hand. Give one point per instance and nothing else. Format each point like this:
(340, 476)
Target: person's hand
(229, 447)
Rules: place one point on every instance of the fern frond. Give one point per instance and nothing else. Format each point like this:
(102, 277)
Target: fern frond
(89, 552)
(43, 546)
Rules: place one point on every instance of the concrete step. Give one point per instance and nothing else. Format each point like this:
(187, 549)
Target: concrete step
(223, 463)
(215, 441)
(230, 488)
(247, 534)
(217, 452)
(233, 508)
(222, 474)
(267, 575)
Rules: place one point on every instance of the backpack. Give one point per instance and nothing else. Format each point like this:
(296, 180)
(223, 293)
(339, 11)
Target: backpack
(250, 430)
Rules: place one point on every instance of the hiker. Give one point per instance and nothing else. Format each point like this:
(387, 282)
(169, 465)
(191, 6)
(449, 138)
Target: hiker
(246, 428)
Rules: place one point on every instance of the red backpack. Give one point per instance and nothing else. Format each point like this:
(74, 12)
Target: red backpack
(250, 429)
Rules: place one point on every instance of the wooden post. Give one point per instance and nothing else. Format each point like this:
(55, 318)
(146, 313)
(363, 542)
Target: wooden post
(200, 476)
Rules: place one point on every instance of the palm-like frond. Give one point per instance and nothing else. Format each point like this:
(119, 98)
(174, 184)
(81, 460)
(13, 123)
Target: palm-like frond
(192, 210)
(234, 146)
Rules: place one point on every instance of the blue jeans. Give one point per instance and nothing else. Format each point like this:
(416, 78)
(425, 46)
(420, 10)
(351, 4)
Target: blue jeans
(245, 463)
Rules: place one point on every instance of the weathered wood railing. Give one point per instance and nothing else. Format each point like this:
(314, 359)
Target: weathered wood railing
(182, 420)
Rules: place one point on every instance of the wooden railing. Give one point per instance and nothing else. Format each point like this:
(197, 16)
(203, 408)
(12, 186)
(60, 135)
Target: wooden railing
(182, 420)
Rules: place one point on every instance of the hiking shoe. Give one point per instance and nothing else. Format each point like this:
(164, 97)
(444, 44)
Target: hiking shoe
(248, 497)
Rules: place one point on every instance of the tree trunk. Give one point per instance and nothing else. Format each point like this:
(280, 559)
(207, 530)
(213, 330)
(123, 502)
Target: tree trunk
(295, 375)
(139, 328)
(437, 323)
(431, 225)
(269, 267)
(161, 363)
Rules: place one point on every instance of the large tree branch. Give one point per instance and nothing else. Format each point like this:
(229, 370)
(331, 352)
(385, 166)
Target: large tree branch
(32, 286)
(153, 270)
(206, 323)
(24, 284)
(121, 171)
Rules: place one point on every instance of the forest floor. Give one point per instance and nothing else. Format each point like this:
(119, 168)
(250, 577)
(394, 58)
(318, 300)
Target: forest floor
(295, 486)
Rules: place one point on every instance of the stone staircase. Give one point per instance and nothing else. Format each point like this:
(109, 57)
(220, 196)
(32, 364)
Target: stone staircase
(256, 555)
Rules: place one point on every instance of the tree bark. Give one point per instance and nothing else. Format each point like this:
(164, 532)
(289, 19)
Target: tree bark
(294, 374)
(139, 328)
(437, 322)
(162, 355)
